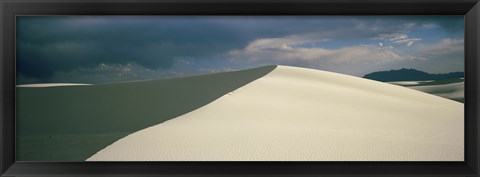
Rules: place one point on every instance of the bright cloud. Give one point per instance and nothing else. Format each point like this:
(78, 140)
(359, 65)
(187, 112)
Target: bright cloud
(401, 39)
(290, 49)
(406, 42)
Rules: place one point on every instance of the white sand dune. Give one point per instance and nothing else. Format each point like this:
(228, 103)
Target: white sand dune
(452, 91)
(406, 83)
(297, 114)
(50, 85)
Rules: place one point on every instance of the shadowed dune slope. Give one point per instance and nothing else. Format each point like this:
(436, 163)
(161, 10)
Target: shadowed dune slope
(72, 123)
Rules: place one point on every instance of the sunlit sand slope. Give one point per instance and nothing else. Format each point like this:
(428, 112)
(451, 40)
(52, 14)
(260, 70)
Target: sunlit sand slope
(304, 114)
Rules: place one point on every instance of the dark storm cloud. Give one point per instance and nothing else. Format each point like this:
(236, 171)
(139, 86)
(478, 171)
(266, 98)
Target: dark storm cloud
(452, 25)
(49, 44)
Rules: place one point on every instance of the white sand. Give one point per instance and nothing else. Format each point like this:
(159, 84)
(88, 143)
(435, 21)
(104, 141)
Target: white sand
(296, 114)
(50, 85)
(454, 90)
(405, 83)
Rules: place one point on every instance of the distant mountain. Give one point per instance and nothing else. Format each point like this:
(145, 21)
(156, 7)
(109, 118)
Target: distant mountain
(410, 75)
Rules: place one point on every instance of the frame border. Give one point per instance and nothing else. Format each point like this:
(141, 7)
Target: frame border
(11, 8)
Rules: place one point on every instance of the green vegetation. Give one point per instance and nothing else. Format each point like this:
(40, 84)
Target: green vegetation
(72, 123)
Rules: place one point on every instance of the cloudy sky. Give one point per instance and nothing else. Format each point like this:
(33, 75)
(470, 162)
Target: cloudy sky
(105, 49)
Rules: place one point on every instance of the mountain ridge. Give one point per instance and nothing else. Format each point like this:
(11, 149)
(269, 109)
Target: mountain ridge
(405, 74)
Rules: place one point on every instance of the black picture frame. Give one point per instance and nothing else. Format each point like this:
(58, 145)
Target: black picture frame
(11, 8)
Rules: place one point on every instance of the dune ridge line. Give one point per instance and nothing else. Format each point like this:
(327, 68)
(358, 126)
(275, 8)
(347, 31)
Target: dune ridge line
(298, 114)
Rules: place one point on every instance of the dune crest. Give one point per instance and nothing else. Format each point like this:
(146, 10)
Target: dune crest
(298, 114)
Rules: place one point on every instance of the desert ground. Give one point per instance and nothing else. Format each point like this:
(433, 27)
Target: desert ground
(453, 89)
